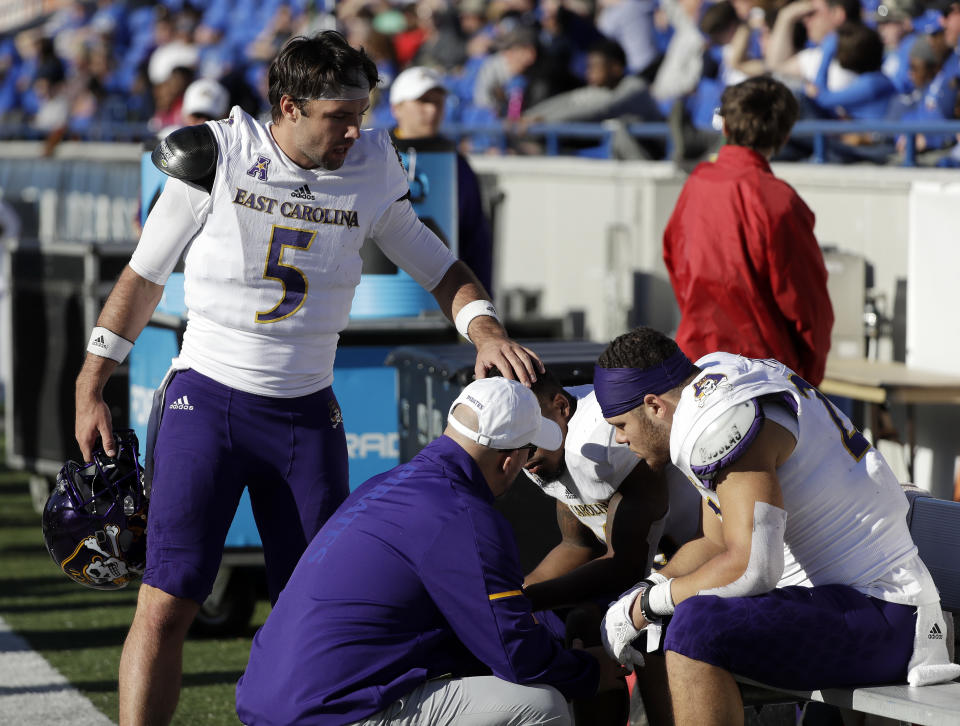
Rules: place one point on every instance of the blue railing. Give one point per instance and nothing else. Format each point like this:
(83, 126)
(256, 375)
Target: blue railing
(552, 136)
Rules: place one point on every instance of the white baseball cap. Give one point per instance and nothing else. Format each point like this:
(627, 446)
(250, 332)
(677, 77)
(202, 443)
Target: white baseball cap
(413, 83)
(167, 57)
(508, 416)
(206, 97)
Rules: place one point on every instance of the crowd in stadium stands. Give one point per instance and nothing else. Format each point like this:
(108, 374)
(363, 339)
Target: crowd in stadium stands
(509, 61)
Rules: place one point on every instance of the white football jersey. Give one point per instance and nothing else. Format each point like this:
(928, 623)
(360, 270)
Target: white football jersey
(845, 508)
(270, 274)
(596, 466)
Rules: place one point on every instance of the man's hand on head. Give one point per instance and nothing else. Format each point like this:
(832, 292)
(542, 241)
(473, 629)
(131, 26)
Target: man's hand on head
(496, 350)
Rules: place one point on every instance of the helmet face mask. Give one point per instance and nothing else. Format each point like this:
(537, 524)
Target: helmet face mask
(95, 519)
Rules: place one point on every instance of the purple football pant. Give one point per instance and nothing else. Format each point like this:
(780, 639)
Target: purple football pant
(798, 637)
(212, 442)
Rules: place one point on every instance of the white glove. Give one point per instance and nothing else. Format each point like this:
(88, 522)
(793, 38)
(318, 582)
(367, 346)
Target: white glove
(617, 630)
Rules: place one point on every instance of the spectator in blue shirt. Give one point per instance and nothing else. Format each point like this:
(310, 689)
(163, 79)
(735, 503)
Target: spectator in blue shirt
(859, 50)
(894, 19)
(936, 98)
(945, 42)
(929, 100)
(408, 606)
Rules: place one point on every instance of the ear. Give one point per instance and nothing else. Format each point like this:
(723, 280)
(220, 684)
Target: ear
(288, 108)
(562, 404)
(504, 462)
(656, 405)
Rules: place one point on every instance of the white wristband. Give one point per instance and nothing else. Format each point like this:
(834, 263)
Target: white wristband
(474, 310)
(661, 601)
(107, 344)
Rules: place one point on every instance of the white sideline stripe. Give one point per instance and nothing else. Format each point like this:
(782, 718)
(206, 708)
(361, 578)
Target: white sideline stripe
(34, 693)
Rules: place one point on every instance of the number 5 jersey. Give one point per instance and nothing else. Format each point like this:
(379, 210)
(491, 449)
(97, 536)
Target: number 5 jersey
(274, 255)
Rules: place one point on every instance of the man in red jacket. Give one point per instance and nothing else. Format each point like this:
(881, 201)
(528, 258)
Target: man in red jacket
(745, 266)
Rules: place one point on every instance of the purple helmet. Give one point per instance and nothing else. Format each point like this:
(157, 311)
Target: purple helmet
(95, 519)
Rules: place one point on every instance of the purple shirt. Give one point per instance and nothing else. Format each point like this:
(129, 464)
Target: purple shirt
(416, 576)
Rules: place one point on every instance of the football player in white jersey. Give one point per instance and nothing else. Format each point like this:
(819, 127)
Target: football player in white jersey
(806, 575)
(271, 218)
(614, 513)
(612, 510)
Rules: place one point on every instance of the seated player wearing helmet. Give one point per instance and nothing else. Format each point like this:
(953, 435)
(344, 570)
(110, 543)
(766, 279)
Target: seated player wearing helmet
(95, 519)
(806, 575)
(614, 513)
(407, 607)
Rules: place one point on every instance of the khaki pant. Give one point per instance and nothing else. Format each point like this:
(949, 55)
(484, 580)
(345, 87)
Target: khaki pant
(475, 701)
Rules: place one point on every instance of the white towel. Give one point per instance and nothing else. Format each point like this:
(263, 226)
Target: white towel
(931, 662)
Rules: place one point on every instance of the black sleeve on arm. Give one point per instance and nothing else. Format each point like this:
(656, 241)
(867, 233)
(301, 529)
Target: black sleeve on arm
(190, 154)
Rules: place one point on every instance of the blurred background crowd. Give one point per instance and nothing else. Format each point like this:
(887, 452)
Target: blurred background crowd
(109, 69)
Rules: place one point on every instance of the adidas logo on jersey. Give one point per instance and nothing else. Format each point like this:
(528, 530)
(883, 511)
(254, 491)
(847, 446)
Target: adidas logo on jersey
(302, 193)
(181, 404)
(935, 632)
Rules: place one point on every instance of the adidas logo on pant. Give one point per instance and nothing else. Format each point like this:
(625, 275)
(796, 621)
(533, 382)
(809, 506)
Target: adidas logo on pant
(302, 193)
(935, 633)
(181, 404)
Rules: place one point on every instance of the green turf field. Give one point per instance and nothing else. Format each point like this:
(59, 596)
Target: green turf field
(81, 631)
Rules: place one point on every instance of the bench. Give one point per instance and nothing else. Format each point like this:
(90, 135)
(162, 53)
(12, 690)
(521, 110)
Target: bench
(935, 527)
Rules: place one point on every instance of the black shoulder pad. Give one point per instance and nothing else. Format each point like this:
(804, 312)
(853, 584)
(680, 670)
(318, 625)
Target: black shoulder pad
(189, 153)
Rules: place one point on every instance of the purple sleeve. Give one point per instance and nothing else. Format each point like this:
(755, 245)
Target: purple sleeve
(472, 572)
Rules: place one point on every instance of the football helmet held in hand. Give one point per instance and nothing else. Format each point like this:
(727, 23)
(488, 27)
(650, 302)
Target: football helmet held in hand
(95, 519)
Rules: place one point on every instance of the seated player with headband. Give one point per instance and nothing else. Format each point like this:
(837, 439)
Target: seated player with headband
(806, 575)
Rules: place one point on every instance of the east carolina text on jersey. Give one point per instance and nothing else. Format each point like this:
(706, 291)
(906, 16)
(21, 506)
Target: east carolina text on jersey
(599, 509)
(292, 210)
(270, 277)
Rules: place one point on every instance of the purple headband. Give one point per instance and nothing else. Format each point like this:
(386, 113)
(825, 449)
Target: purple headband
(619, 390)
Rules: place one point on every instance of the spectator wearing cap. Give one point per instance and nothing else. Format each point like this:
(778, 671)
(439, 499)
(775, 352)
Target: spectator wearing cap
(408, 605)
(894, 20)
(204, 100)
(418, 101)
(171, 69)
